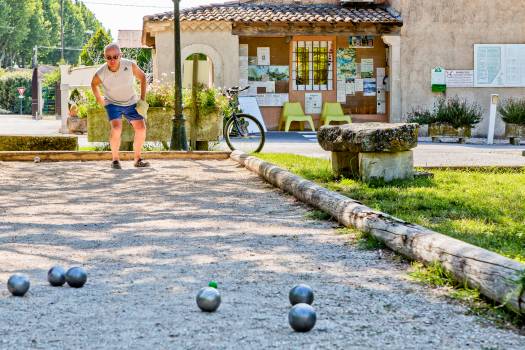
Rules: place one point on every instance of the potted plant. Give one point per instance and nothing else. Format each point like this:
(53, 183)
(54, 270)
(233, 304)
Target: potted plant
(450, 117)
(512, 112)
(77, 121)
(202, 109)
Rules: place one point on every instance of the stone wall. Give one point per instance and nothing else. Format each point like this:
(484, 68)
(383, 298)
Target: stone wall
(443, 33)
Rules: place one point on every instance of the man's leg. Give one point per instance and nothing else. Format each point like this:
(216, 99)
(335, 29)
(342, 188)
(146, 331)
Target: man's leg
(114, 139)
(140, 137)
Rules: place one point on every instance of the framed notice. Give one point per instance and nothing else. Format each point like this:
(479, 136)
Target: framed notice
(499, 65)
(263, 56)
(459, 78)
(313, 103)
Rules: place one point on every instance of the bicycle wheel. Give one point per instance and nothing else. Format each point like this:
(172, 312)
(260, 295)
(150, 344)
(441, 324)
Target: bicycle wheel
(244, 133)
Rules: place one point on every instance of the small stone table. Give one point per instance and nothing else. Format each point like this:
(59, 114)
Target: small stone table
(371, 150)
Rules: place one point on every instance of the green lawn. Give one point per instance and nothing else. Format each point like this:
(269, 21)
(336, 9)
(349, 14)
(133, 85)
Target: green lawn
(485, 208)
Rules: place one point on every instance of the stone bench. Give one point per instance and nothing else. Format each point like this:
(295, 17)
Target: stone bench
(371, 150)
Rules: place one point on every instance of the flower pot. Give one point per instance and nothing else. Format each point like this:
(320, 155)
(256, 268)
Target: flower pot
(515, 132)
(77, 125)
(208, 128)
(438, 130)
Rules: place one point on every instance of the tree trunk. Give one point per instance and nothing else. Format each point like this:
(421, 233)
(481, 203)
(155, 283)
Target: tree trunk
(194, 97)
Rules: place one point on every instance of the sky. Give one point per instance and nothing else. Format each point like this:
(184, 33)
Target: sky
(127, 14)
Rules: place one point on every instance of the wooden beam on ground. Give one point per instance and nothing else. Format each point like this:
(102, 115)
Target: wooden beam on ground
(63, 156)
(494, 275)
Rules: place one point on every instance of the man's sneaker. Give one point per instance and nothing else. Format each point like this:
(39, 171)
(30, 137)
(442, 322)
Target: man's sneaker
(115, 165)
(141, 164)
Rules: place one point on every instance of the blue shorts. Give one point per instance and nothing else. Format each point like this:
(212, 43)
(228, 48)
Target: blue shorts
(116, 112)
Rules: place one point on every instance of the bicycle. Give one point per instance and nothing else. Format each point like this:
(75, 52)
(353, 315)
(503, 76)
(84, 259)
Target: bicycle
(242, 131)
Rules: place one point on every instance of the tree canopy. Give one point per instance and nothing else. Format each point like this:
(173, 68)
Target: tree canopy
(25, 24)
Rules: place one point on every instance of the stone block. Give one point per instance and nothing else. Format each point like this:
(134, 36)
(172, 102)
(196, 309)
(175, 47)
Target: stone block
(369, 137)
(345, 164)
(386, 166)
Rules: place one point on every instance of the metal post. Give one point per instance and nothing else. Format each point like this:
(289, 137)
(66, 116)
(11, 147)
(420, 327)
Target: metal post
(62, 30)
(178, 134)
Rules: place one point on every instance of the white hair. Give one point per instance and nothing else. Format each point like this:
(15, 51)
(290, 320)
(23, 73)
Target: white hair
(112, 46)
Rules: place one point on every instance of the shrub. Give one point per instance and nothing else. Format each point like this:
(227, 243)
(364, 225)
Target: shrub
(9, 82)
(161, 95)
(457, 112)
(51, 78)
(512, 111)
(209, 100)
(454, 111)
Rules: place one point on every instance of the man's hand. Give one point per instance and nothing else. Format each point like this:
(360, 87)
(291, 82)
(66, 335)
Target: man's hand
(101, 102)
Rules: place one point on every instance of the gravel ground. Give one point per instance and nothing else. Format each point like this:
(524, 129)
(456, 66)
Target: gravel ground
(151, 238)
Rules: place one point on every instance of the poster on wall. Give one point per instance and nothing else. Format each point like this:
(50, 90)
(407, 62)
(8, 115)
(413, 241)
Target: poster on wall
(346, 62)
(459, 78)
(263, 56)
(359, 85)
(369, 87)
(279, 73)
(367, 68)
(341, 91)
(258, 73)
(361, 41)
(313, 103)
(350, 86)
(499, 65)
(438, 79)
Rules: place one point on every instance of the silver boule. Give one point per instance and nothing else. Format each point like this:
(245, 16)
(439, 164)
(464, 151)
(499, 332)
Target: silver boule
(76, 277)
(301, 293)
(302, 317)
(56, 276)
(36, 159)
(208, 299)
(18, 285)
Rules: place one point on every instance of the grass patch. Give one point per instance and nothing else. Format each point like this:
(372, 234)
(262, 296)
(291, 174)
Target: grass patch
(485, 208)
(318, 215)
(435, 275)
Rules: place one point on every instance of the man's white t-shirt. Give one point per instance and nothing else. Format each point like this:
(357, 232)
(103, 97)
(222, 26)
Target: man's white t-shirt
(118, 86)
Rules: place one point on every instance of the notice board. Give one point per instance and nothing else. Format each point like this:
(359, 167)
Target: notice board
(499, 65)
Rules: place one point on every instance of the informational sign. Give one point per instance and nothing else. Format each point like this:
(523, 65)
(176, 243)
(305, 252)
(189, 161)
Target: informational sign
(272, 100)
(313, 103)
(459, 78)
(263, 56)
(249, 106)
(341, 91)
(499, 65)
(367, 68)
(359, 85)
(369, 87)
(438, 79)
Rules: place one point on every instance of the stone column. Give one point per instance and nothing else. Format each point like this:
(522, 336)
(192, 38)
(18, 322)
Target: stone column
(394, 62)
(64, 97)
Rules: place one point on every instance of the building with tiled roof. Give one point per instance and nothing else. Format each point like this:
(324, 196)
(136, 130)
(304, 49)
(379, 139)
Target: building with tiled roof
(373, 56)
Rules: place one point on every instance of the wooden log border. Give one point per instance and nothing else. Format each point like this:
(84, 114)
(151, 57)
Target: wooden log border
(66, 156)
(495, 276)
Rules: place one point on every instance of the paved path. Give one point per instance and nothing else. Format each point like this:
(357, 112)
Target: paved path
(151, 238)
(426, 154)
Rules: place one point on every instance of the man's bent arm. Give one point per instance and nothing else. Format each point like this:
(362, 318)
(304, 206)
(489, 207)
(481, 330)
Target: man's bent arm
(139, 74)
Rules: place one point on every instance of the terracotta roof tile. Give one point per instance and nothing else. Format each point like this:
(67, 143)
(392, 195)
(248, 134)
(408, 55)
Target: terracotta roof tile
(250, 13)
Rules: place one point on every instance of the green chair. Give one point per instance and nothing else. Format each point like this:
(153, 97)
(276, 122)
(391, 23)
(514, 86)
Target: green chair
(333, 112)
(293, 112)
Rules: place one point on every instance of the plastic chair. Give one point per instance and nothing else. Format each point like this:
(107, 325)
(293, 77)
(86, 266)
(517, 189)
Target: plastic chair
(333, 112)
(293, 112)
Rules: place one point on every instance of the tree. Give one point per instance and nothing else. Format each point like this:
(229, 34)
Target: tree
(93, 52)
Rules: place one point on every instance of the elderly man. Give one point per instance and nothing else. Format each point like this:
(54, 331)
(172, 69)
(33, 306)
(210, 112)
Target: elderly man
(117, 77)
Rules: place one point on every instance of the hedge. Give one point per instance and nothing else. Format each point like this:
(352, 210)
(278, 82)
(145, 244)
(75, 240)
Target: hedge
(9, 82)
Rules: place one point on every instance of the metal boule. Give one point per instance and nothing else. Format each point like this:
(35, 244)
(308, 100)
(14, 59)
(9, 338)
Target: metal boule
(76, 277)
(56, 276)
(301, 293)
(208, 299)
(302, 317)
(18, 285)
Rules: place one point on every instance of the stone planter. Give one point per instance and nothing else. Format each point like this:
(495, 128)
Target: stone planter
(159, 125)
(77, 125)
(515, 132)
(438, 130)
